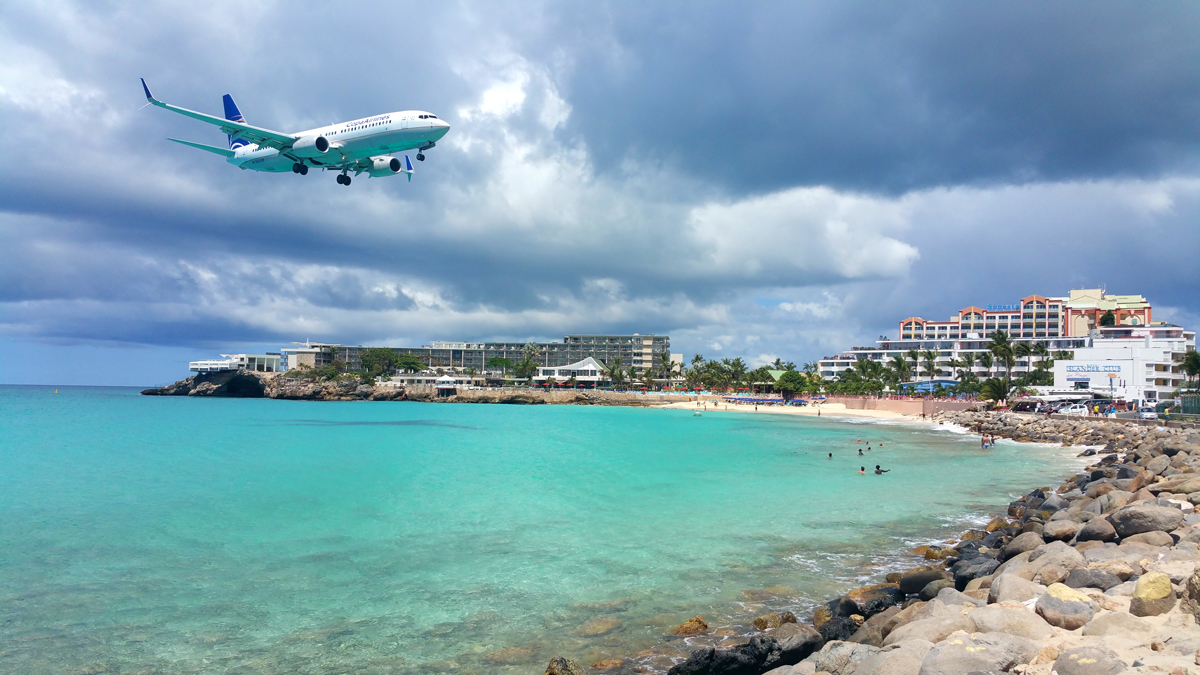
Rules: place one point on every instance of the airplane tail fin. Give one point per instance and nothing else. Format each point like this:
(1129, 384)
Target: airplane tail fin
(408, 168)
(234, 115)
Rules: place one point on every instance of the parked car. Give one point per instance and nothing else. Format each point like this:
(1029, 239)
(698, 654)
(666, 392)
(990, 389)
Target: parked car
(1147, 415)
(1074, 409)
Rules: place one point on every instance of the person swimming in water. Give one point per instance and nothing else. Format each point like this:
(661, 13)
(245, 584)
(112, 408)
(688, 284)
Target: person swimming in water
(862, 470)
(860, 452)
(831, 455)
(879, 471)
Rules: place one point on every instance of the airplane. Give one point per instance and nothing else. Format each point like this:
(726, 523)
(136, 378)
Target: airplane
(362, 145)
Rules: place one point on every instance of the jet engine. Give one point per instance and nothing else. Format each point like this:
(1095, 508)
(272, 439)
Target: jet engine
(311, 146)
(384, 166)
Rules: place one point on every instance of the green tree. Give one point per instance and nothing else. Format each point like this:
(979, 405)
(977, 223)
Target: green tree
(526, 368)
(986, 361)
(789, 383)
(1108, 319)
(1190, 364)
(1002, 349)
(900, 367)
(499, 362)
(931, 367)
(994, 389)
(616, 371)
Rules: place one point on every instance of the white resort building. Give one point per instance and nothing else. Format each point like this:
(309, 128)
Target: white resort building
(587, 373)
(1135, 363)
(259, 363)
(1062, 323)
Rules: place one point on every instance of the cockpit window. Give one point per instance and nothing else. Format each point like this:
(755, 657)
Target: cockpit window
(434, 116)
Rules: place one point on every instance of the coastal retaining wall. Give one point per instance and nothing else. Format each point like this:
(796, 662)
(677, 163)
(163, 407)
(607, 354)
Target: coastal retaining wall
(902, 406)
(557, 396)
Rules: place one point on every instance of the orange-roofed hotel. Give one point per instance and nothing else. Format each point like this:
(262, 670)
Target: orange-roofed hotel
(1059, 323)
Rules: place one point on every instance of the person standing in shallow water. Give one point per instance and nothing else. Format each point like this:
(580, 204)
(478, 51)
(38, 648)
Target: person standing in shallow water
(879, 471)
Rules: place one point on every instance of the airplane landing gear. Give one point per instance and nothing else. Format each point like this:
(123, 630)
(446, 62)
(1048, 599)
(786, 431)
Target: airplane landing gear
(343, 179)
(300, 169)
(420, 157)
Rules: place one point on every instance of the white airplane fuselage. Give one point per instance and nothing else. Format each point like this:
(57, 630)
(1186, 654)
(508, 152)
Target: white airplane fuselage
(350, 141)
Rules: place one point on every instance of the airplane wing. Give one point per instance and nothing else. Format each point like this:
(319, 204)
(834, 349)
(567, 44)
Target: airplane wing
(224, 152)
(253, 134)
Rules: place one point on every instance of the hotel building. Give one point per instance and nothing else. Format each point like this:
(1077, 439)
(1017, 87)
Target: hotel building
(1059, 323)
(638, 351)
(1135, 363)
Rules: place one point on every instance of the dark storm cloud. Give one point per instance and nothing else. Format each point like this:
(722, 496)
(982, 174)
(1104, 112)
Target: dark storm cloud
(892, 96)
(756, 179)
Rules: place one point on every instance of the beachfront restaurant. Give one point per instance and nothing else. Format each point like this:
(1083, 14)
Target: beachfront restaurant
(588, 373)
(259, 363)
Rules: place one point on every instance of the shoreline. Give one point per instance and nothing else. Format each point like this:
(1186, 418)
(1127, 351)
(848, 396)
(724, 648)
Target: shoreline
(834, 410)
(1097, 535)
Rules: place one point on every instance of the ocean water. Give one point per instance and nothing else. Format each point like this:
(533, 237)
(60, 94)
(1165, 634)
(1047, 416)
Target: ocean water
(175, 535)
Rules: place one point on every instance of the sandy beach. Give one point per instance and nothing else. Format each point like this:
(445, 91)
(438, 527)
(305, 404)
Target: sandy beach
(826, 410)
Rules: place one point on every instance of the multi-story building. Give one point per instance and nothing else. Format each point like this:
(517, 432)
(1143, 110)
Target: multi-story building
(261, 363)
(1137, 363)
(1058, 323)
(638, 351)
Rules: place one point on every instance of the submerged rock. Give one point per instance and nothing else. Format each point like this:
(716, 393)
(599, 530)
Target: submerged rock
(774, 620)
(564, 666)
(693, 626)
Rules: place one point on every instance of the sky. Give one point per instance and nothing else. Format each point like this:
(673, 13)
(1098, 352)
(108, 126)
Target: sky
(755, 180)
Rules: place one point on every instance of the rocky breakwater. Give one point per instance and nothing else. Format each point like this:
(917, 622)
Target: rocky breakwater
(1097, 576)
(1111, 434)
(230, 383)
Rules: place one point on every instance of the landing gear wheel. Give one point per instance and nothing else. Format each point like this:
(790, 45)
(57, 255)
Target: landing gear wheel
(420, 157)
(297, 167)
(303, 170)
(341, 179)
(347, 181)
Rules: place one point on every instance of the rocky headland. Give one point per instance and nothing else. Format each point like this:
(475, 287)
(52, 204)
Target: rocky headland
(249, 384)
(1099, 575)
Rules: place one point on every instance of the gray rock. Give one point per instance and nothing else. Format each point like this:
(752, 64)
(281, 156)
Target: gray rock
(988, 652)
(1065, 610)
(1088, 661)
(872, 630)
(903, 658)
(760, 654)
(979, 567)
(841, 658)
(1098, 529)
(1158, 464)
(1125, 589)
(934, 630)
(562, 666)
(994, 619)
(1012, 588)
(914, 581)
(1155, 538)
(1116, 623)
(799, 640)
(1082, 577)
(1059, 530)
(1056, 553)
(1020, 544)
(934, 587)
(949, 596)
(1139, 518)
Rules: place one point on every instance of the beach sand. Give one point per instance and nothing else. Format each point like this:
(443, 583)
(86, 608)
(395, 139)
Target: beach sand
(827, 410)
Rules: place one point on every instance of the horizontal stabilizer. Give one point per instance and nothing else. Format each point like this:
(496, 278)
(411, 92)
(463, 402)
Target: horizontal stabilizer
(224, 152)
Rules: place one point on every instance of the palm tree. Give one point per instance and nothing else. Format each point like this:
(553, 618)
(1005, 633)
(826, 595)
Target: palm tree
(914, 355)
(1190, 364)
(968, 362)
(1002, 348)
(737, 370)
(931, 367)
(572, 381)
(1024, 350)
(809, 368)
(985, 360)
(615, 371)
(901, 368)
(994, 389)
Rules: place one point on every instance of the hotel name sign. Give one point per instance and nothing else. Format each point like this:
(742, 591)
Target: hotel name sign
(1093, 368)
(1016, 306)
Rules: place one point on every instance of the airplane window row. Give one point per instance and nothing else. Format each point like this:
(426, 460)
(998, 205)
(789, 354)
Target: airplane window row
(427, 116)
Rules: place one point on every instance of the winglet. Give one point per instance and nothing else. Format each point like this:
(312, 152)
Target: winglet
(147, 90)
(408, 168)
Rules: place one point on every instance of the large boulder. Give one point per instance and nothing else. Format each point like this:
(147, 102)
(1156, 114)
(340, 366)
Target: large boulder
(1012, 588)
(796, 642)
(1059, 530)
(932, 588)
(841, 658)
(693, 626)
(839, 628)
(934, 630)
(1155, 538)
(1021, 543)
(871, 600)
(996, 619)
(902, 658)
(1152, 595)
(966, 570)
(912, 582)
(760, 654)
(985, 653)
(1139, 518)
(1056, 553)
(1097, 529)
(872, 630)
(1082, 577)
(1088, 661)
(1065, 607)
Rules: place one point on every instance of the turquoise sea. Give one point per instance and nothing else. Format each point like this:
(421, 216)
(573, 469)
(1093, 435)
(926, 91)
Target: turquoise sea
(176, 535)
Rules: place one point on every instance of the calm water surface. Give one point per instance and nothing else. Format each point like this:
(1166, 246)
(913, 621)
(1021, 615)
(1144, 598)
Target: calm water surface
(176, 535)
